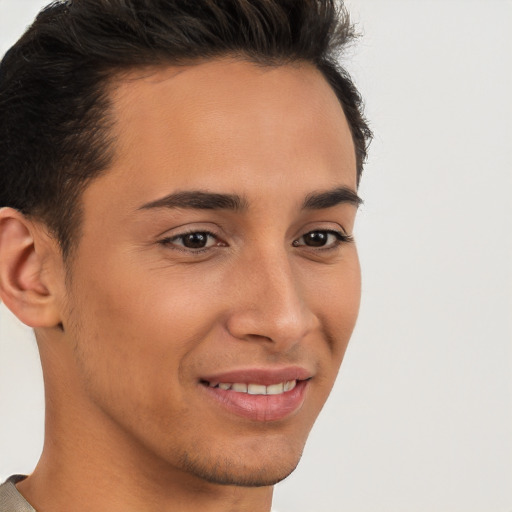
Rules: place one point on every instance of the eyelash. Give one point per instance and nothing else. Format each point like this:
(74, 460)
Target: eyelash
(341, 238)
(169, 241)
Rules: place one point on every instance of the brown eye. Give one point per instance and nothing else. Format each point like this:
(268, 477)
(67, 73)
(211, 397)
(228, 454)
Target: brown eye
(195, 240)
(321, 238)
(316, 238)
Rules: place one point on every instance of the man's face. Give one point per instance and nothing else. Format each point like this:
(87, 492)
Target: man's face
(184, 309)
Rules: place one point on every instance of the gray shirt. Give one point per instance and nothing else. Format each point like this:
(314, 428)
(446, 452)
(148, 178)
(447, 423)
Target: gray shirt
(10, 498)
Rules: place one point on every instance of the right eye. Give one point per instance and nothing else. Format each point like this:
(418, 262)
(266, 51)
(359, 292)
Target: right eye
(194, 241)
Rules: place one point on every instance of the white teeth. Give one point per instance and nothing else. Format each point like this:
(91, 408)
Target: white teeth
(288, 386)
(256, 389)
(275, 389)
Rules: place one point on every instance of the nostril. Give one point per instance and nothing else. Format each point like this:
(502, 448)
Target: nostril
(260, 337)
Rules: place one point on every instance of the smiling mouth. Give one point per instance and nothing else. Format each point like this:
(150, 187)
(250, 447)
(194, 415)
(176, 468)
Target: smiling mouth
(258, 402)
(254, 389)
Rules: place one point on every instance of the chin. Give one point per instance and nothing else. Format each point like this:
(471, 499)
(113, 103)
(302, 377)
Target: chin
(264, 471)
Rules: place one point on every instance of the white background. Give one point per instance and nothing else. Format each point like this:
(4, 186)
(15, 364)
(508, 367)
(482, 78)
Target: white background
(421, 417)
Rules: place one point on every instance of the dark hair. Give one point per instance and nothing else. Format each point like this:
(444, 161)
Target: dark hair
(54, 82)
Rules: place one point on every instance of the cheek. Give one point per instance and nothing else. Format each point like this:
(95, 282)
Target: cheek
(340, 293)
(337, 306)
(130, 348)
(140, 325)
(348, 290)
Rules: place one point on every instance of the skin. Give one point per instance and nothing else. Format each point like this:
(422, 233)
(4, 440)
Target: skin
(144, 318)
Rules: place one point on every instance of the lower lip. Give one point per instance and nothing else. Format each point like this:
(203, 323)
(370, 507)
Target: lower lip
(262, 408)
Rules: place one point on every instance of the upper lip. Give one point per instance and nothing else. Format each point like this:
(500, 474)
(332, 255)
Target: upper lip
(263, 376)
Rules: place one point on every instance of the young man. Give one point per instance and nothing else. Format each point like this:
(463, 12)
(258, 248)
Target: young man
(178, 189)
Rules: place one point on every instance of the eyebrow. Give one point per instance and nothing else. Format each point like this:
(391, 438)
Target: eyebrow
(200, 200)
(330, 198)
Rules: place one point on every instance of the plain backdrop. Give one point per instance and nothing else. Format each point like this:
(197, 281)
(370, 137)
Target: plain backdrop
(421, 416)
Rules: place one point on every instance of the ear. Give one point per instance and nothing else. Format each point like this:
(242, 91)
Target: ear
(25, 286)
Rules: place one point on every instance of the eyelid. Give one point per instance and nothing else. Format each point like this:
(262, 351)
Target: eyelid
(169, 241)
(189, 227)
(341, 238)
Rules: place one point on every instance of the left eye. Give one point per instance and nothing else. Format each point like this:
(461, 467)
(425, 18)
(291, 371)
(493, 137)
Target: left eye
(195, 240)
(320, 239)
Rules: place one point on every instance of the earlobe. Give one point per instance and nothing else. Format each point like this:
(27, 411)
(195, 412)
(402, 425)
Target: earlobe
(22, 278)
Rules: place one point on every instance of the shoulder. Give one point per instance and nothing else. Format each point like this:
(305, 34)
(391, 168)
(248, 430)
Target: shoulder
(10, 499)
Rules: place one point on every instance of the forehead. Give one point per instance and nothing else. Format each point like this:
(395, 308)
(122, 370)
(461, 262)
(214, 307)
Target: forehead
(228, 123)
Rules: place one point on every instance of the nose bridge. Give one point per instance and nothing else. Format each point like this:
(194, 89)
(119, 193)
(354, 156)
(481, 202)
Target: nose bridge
(272, 304)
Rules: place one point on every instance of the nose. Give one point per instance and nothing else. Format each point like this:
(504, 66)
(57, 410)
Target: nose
(271, 303)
